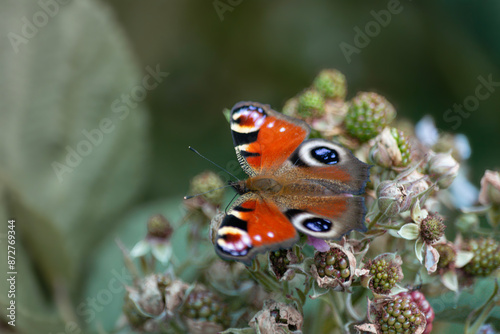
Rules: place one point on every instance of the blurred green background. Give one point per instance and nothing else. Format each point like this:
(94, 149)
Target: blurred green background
(65, 71)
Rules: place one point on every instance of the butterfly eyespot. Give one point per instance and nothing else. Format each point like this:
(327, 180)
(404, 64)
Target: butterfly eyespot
(325, 155)
(317, 224)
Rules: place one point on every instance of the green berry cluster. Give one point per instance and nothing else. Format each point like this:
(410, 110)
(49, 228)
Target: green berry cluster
(486, 257)
(331, 84)
(368, 115)
(400, 316)
(447, 255)
(432, 228)
(384, 275)
(419, 298)
(333, 264)
(403, 145)
(311, 104)
(204, 305)
(279, 262)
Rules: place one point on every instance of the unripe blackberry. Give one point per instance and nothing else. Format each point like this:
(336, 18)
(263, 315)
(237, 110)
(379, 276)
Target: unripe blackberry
(208, 181)
(368, 115)
(311, 104)
(333, 264)
(418, 298)
(385, 274)
(204, 305)
(331, 84)
(159, 227)
(432, 228)
(486, 256)
(447, 256)
(401, 315)
(279, 261)
(404, 146)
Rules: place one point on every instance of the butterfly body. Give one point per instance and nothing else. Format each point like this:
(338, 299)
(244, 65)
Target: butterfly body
(294, 185)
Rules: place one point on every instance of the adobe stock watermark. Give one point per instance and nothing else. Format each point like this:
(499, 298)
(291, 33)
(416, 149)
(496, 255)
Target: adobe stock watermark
(120, 108)
(372, 29)
(32, 25)
(483, 91)
(222, 6)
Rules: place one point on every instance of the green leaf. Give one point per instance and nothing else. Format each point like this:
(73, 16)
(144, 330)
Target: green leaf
(450, 307)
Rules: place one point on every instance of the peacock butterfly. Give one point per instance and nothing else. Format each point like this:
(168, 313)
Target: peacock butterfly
(294, 185)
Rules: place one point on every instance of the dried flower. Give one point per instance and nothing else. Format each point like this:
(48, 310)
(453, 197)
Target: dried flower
(277, 317)
(432, 228)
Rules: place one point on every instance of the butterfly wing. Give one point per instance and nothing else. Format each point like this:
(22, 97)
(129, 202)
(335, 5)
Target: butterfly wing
(319, 181)
(328, 217)
(322, 162)
(263, 138)
(251, 226)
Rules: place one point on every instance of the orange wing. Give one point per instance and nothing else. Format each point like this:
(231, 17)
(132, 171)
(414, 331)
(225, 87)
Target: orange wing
(263, 138)
(253, 226)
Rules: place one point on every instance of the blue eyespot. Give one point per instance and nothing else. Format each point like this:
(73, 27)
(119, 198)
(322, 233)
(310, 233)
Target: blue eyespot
(325, 155)
(318, 224)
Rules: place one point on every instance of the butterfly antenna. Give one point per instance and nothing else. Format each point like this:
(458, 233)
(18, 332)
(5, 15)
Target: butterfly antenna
(229, 204)
(206, 192)
(213, 163)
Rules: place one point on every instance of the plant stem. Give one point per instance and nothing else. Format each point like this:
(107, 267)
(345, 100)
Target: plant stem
(375, 220)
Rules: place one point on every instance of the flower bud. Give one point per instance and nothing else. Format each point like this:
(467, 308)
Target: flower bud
(392, 198)
(331, 84)
(443, 169)
(490, 188)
